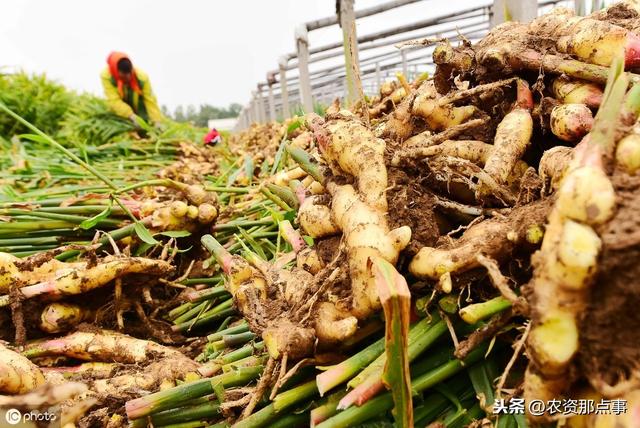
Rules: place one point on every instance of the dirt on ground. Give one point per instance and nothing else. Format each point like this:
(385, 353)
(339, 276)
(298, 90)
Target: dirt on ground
(609, 350)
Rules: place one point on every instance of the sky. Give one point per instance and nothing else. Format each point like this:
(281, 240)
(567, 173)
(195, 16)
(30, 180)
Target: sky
(194, 51)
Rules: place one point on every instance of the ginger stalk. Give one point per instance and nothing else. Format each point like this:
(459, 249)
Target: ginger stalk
(250, 280)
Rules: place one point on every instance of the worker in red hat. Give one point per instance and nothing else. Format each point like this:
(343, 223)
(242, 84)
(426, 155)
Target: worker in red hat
(212, 138)
(128, 90)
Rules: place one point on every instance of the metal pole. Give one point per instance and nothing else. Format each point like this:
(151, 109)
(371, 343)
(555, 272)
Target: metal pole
(302, 43)
(371, 59)
(282, 63)
(406, 28)
(378, 77)
(331, 20)
(389, 42)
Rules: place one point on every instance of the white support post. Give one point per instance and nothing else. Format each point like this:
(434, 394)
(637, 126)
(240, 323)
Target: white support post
(403, 54)
(516, 10)
(260, 100)
(245, 119)
(282, 63)
(378, 77)
(302, 43)
(350, 46)
(271, 79)
(254, 109)
(272, 105)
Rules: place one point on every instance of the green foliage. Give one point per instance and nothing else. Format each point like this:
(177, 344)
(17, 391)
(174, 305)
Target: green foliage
(37, 99)
(200, 116)
(318, 108)
(89, 121)
(74, 120)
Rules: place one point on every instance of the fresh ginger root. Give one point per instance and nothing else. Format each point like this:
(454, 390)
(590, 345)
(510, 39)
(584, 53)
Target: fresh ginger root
(512, 136)
(315, 218)
(284, 177)
(59, 316)
(475, 151)
(570, 91)
(571, 122)
(18, 375)
(627, 419)
(161, 363)
(553, 165)
(57, 278)
(628, 153)
(251, 281)
(495, 238)
(351, 148)
(14, 270)
(306, 258)
(178, 215)
(439, 117)
(354, 150)
(565, 266)
(590, 40)
(102, 345)
(366, 235)
(399, 125)
(79, 278)
(387, 101)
